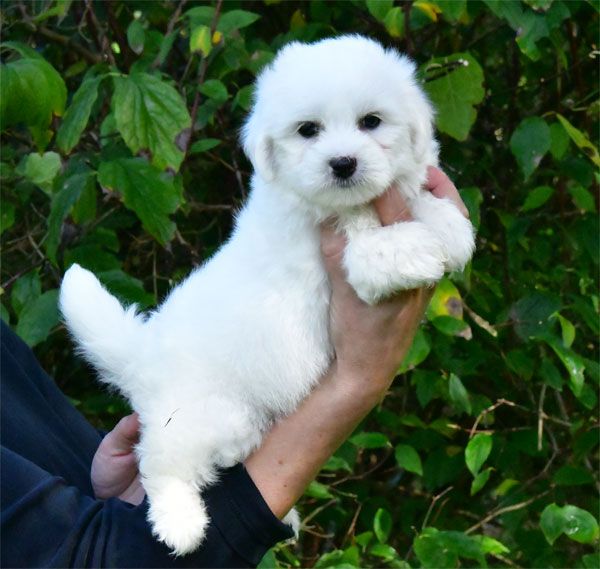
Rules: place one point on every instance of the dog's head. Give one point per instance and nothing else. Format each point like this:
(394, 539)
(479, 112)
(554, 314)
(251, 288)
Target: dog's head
(338, 120)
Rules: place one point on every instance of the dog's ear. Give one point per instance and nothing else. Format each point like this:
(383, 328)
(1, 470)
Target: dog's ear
(258, 146)
(421, 131)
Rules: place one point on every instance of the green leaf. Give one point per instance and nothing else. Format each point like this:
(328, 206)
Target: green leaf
(379, 8)
(477, 451)
(451, 326)
(243, 98)
(573, 364)
(38, 318)
(384, 551)
(31, 92)
(569, 475)
(127, 288)
(591, 561)
(317, 490)
(382, 525)
(429, 385)
(579, 525)
(269, 561)
(25, 291)
(550, 375)
(7, 216)
(459, 395)
(454, 85)
(370, 440)
(408, 458)
(446, 301)
(214, 89)
(62, 203)
(201, 15)
(480, 480)
(136, 36)
(201, 40)
(235, 20)
(529, 143)
(78, 114)
(337, 463)
(394, 22)
(145, 191)
(583, 199)
(41, 169)
(417, 353)
(531, 315)
(204, 145)
(537, 198)
(581, 140)
(568, 331)
(559, 140)
(529, 26)
(521, 363)
(490, 545)
(452, 10)
(149, 114)
(473, 199)
(430, 552)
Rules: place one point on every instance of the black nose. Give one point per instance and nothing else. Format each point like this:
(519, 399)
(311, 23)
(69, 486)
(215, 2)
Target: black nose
(343, 166)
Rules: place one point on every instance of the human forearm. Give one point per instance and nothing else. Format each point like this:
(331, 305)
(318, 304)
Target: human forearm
(297, 447)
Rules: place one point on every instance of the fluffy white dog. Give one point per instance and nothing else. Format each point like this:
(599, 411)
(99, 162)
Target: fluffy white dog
(245, 338)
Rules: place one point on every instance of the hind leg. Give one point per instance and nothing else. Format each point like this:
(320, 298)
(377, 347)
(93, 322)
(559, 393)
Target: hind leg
(179, 457)
(174, 470)
(177, 512)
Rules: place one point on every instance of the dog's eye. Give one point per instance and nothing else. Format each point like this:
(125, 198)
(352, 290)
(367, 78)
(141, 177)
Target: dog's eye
(369, 122)
(308, 129)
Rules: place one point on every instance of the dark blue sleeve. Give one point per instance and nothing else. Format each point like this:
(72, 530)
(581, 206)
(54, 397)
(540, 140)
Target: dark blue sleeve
(49, 516)
(46, 523)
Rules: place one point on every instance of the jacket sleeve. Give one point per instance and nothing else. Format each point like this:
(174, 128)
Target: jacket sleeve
(46, 523)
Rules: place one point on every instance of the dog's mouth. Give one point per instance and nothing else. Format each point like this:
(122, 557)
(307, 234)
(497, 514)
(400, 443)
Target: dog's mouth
(347, 183)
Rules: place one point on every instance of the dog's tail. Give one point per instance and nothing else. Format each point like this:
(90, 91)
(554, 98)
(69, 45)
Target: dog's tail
(107, 334)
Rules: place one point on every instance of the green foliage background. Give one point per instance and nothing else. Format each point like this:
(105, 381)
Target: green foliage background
(486, 449)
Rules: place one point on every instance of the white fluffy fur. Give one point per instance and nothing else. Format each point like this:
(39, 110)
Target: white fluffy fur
(245, 338)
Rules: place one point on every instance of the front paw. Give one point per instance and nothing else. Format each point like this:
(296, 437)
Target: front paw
(385, 260)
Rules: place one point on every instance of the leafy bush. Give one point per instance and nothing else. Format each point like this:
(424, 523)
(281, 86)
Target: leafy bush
(119, 151)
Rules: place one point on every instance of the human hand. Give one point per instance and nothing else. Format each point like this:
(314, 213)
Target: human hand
(115, 471)
(371, 341)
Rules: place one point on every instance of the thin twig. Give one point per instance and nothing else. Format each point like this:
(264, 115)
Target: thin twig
(489, 410)
(352, 524)
(170, 27)
(317, 511)
(494, 514)
(100, 37)
(58, 38)
(434, 501)
(201, 73)
(540, 430)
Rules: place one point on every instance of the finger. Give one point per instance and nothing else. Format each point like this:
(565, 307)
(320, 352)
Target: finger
(441, 186)
(125, 434)
(391, 207)
(333, 244)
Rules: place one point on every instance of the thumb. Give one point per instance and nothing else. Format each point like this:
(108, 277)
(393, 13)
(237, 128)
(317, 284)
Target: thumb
(391, 207)
(125, 435)
(333, 244)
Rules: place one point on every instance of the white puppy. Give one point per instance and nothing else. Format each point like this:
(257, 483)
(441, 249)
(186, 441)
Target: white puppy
(245, 338)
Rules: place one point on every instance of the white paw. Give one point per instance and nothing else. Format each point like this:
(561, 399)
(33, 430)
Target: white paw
(292, 519)
(178, 516)
(398, 257)
(460, 248)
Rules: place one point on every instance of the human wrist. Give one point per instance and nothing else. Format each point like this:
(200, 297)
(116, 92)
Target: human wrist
(357, 387)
